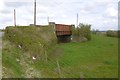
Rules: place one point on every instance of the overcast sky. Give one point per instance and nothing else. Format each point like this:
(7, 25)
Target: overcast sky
(101, 14)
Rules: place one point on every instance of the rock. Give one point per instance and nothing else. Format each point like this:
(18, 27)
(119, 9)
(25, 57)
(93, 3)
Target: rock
(83, 39)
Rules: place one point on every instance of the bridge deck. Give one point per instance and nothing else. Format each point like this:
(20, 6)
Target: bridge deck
(62, 29)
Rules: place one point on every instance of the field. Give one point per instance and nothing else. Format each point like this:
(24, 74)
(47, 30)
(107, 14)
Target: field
(97, 58)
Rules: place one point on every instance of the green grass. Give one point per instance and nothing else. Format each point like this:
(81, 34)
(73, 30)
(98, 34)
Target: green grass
(97, 50)
(97, 58)
(35, 40)
(11, 67)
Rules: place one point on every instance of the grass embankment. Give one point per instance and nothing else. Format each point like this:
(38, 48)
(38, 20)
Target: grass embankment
(97, 58)
(20, 44)
(35, 40)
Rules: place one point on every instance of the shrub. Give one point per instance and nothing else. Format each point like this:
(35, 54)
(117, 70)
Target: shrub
(119, 33)
(82, 32)
(111, 33)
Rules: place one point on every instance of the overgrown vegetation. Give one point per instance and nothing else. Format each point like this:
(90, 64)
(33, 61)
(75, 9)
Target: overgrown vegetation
(111, 33)
(35, 40)
(21, 44)
(11, 67)
(16, 63)
(81, 33)
(97, 58)
(1, 30)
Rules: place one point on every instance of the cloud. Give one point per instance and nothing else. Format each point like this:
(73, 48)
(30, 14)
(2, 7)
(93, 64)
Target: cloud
(102, 14)
(16, 4)
(1, 5)
(112, 12)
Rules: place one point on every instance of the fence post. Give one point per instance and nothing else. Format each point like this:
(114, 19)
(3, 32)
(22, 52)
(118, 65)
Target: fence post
(81, 76)
(59, 70)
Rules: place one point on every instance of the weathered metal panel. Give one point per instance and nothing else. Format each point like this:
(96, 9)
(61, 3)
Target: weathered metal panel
(62, 29)
(63, 32)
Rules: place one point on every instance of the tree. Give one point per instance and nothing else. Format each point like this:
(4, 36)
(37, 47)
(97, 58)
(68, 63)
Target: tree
(82, 31)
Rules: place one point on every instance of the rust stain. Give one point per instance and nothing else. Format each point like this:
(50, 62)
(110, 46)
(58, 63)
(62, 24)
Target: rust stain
(62, 29)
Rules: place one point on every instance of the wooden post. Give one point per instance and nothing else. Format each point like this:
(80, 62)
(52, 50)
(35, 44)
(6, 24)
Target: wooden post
(14, 18)
(48, 20)
(59, 70)
(77, 20)
(81, 76)
(35, 13)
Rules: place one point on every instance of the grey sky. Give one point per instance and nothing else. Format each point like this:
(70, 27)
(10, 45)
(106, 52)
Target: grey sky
(101, 14)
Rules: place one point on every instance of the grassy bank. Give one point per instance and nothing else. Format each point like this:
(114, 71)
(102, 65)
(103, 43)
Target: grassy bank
(35, 40)
(97, 58)
(21, 44)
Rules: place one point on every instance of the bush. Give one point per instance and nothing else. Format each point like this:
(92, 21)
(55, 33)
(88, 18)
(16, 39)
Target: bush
(82, 32)
(111, 33)
(119, 33)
